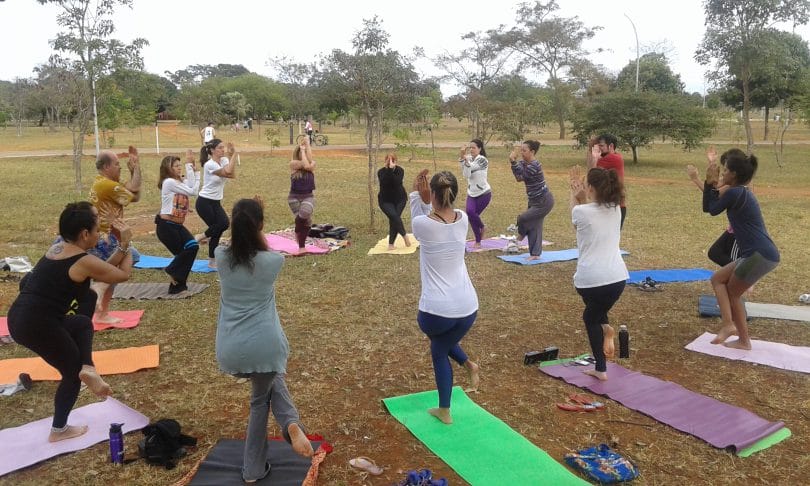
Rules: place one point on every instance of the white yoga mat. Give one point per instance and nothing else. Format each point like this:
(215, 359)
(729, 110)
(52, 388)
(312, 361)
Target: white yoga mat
(777, 355)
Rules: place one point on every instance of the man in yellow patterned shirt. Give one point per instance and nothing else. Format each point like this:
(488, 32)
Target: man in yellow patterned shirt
(109, 195)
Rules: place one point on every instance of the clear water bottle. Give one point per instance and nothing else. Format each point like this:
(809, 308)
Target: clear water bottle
(116, 444)
(624, 342)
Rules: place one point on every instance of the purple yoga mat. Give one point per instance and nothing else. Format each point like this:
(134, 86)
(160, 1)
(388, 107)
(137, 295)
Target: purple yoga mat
(720, 424)
(28, 444)
(778, 355)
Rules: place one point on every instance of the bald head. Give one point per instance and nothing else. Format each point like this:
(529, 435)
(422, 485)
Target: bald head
(108, 165)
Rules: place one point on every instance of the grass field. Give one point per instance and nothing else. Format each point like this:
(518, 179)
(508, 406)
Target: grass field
(350, 320)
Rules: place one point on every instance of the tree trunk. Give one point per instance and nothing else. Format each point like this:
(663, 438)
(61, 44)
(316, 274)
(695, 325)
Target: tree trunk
(78, 145)
(635, 154)
(369, 146)
(747, 112)
(767, 116)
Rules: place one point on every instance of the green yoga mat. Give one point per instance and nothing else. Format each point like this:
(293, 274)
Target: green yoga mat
(478, 446)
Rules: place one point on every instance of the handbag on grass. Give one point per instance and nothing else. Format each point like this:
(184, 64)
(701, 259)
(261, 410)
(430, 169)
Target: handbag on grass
(602, 464)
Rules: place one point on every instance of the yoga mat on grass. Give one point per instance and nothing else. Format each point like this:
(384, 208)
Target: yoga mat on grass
(223, 465)
(670, 275)
(153, 291)
(707, 307)
(381, 248)
(286, 245)
(546, 257)
(110, 362)
(777, 355)
(130, 319)
(149, 261)
(28, 444)
(477, 445)
(721, 425)
(498, 243)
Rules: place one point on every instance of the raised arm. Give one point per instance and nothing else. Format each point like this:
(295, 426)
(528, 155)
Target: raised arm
(592, 157)
(135, 180)
(419, 198)
(517, 167)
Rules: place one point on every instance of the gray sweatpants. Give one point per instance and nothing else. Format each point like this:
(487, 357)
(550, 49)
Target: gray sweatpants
(530, 222)
(269, 391)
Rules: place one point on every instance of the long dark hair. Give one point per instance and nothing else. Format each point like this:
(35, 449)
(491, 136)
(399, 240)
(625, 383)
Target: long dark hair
(742, 165)
(480, 144)
(205, 153)
(247, 221)
(166, 169)
(607, 187)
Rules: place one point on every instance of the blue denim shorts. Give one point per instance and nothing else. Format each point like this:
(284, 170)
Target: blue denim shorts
(106, 247)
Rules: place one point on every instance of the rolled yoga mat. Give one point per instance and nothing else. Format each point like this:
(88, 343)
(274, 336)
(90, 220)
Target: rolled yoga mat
(28, 444)
(707, 307)
(223, 465)
(477, 445)
(777, 355)
(721, 425)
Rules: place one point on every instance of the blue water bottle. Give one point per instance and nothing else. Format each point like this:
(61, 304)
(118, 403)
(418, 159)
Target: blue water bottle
(116, 444)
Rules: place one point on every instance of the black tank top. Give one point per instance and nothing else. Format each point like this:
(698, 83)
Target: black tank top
(50, 289)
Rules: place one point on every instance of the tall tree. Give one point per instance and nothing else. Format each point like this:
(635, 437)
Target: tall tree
(89, 25)
(551, 45)
(654, 74)
(733, 40)
(376, 80)
(197, 73)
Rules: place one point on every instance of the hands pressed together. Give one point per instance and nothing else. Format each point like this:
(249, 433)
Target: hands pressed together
(422, 186)
(576, 182)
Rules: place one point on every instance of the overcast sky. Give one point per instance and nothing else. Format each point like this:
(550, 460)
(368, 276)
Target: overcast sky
(249, 32)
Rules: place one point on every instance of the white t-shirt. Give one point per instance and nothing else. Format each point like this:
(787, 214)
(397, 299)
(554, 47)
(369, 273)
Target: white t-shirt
(598, 237)
(208, 134)
(187, 187)
(213, 185)
(446, 287)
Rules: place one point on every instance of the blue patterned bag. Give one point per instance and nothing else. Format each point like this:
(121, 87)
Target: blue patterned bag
(602, 464)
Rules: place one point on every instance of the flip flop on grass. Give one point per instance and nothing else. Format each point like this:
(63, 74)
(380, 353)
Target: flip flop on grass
(585, 400)
(367, 465)
(571, 407)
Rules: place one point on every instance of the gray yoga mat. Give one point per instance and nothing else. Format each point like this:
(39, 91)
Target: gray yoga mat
(152, 291)
(707, 306)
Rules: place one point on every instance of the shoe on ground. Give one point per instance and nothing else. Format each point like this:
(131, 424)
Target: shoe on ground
(176, 289)
(512, 228)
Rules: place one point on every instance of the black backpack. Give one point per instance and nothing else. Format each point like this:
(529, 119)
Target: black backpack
(163, 444)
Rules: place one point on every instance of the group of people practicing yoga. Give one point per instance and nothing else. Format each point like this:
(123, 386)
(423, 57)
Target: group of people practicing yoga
(53, 314)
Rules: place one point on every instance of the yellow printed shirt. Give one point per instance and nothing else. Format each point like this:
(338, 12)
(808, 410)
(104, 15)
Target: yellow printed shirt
(109, 197)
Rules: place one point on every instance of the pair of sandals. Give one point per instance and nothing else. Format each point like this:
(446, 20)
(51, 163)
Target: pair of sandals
(422, 478)
(581, 403)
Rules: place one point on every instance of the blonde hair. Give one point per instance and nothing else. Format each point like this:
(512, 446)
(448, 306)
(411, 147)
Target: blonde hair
(445, 186)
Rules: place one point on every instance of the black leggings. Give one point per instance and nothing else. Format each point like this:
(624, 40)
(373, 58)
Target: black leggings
(598, 301)
(214, 216)
(393, 211)
(724, 250)
(64, 342)
(178, 240)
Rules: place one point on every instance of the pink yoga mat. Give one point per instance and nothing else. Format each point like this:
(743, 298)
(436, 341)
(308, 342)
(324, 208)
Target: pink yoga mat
(286, 245)
(28, 444)
(130, 319)
(720, 424)
(778, 355)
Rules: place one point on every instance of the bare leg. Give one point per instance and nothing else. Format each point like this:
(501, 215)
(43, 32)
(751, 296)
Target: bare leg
(472, 371)
(609, 346)
(407, 240)
(720, 281)
(736, 288)
(601, 375)
(70, 432)
(105, 292)
(442, 414)
(300, 444)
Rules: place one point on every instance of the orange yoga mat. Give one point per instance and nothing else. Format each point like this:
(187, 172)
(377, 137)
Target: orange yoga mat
(109, 362)
(129, 319)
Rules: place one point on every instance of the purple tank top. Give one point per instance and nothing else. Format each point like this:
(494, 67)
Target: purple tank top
(304, 184)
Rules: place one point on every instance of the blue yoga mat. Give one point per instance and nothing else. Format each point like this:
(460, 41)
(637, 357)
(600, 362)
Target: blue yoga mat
(545, 257)
(670, 275)
(149, 261)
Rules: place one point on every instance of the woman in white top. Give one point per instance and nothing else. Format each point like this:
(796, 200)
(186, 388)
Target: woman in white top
(601, 274)
(474, 165)
(448, 304)
(216, 170)
(174, 206)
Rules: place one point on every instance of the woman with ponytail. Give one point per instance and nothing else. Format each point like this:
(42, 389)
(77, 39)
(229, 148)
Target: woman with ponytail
(601, 274)
(529, 171)
(448, 304)
(758, 254)
(216, 170)
(302, 184)
(474, 165)
(250, 342)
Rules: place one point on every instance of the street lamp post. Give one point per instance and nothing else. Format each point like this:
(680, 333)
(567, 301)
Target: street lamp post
(637, 50)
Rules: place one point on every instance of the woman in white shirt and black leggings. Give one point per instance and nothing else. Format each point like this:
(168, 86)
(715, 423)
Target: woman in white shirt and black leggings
(601, 274)
(448, 304)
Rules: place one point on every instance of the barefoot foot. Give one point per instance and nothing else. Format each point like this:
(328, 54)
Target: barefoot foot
(442, 414)
(94, 382)
(724, 333)
(475, 378)
(532, 258)
(70, 432)
(201, 238)
(738, 344)
(392, 247)
(105, 318)
(609, 347)
(212, 263)
(407, 240)
(601, 375)
(300, 444)
(476, 245)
